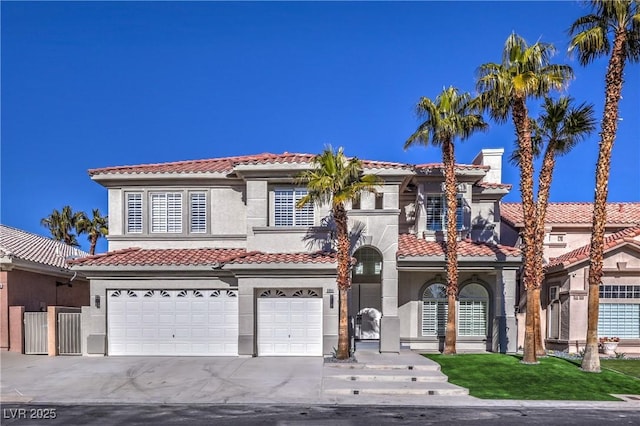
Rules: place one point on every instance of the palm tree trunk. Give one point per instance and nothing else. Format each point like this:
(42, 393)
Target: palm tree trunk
(448, 159)
(613, 92)
(521, 122)
(93, 242)
(546, 174)
(344, 263)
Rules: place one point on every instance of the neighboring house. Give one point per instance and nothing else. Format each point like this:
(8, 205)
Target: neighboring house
(211, 257)
(34, 273)
(564, 293)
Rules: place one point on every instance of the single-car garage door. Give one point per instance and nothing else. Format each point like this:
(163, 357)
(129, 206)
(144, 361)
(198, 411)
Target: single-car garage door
(172, 322)
(289, 323)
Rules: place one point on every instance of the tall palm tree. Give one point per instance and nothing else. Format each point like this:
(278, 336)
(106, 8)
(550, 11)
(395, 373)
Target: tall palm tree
(560, 127)
(63, 224)
(96, 227)
(613, 28)
(335, 180)
(525, 72)
(452, 115)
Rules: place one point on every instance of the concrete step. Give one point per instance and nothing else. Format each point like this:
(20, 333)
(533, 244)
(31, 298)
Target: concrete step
(383, 366)
(373, 375)
(341, 387)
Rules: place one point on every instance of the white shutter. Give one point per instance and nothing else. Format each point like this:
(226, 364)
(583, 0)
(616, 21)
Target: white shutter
(174, 213)
(472, 318)
(198, 212)
(158, 212)
(304, 215)
(619, 320)
(283, 207)
(134, 213)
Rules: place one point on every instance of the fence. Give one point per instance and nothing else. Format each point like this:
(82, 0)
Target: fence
(35, 333)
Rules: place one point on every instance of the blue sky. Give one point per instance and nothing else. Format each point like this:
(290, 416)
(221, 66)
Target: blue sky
(88, 85)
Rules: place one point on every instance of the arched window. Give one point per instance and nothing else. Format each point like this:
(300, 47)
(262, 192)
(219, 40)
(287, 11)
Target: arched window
(434, 310)
(473, 309)
(368, 266)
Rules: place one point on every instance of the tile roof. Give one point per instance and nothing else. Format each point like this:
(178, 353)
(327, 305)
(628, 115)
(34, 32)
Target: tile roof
(433, 166)
(258, 257)
(575, 213)
(161, 257)
(198, 257)
(227, 164)
(489, 185)
(411, 246)
(35, 248)
(627, 235)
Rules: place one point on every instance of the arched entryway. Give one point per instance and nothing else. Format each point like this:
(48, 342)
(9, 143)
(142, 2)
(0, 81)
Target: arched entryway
(366, 295)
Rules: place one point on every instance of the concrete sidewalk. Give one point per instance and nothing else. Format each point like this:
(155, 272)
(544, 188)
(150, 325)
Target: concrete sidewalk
(215, 380)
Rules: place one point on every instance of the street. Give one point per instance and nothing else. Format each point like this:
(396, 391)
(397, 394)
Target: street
(289, 415)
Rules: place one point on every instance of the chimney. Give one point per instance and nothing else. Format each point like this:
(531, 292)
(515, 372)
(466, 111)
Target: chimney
(492, 158)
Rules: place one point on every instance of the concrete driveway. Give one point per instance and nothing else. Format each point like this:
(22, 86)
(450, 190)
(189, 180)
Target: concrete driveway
(31, 378)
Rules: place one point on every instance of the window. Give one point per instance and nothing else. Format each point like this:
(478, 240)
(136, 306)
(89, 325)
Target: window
(434, 310)
(619, 317)
(134, 212)
(436, 206)
(472, 310)
(285, 211)
(166, 212)
(198, 207)
(368, 266)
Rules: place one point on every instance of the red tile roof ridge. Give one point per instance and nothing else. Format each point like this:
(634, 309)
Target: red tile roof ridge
(105, 254)
(410, 245)
(458, 165)
(626, 235)
(581, 212)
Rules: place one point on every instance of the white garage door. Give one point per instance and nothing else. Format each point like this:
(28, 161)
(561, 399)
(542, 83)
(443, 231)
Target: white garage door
(289, 326)
(172, 322)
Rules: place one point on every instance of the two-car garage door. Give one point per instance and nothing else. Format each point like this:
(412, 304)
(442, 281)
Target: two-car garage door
(205, 322)
(172, 322)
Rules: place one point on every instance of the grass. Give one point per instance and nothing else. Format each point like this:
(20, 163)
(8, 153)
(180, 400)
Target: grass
(497, 376)
(630, 367)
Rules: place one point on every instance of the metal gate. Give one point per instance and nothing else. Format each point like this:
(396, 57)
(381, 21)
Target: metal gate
(69, 333)
(35, 333)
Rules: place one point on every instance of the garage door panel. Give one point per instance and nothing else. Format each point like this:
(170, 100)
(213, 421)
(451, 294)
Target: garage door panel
(285, 326)
(172, 322)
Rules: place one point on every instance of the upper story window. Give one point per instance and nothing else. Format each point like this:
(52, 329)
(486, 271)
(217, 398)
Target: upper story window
(166, 212)
(285, 211)
(436, 207)
(134, 212)
(198, 210)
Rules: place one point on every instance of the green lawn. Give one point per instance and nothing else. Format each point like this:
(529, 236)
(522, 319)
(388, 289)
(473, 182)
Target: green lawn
(630, 367)
(497, 376)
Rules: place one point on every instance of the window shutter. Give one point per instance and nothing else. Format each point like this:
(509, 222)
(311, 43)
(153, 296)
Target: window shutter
(198, 212)
(134, 213)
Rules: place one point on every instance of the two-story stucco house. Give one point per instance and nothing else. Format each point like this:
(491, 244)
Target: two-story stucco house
(564, 295)
(211, 257)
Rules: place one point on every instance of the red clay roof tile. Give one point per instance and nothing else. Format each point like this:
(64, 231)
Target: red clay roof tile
(411, 246)
(575, 213)
(198, 257)
(226, 165)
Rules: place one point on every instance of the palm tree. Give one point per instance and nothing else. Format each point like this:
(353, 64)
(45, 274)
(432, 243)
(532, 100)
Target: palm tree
(452, 115)
(97, 227)
(613, 28)
(335, 180)
(62, 224)
(525, 72)
(560, 127)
